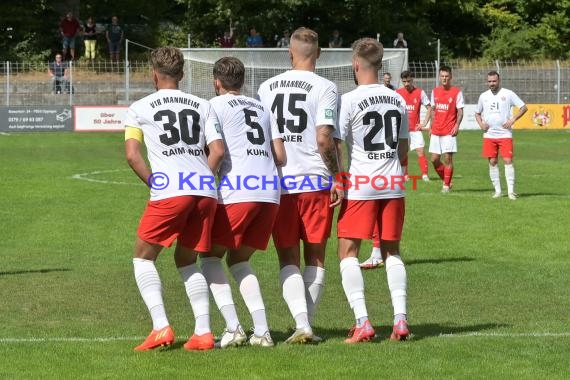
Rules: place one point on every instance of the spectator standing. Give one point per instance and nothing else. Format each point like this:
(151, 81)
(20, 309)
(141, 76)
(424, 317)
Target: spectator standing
(58, 71)
(90, 38)
(115, 35)
(254, 40)
(69, 28)
(336, 40)
(400, 42)
(284, 41)
(227, 40)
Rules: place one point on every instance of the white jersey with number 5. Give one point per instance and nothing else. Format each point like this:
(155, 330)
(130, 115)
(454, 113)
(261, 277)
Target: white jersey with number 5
(248, 172)
(176, 128)
(496, 109)
(301, 101)
(372, 119)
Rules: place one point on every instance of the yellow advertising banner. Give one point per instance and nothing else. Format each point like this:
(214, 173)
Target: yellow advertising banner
(545, 116)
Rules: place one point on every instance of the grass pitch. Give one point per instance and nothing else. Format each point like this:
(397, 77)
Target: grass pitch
(488, 278)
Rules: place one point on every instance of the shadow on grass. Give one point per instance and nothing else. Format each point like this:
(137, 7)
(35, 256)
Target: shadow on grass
(419, 332)
(439, 261)
(33, 271)
(490, 191)
(543, 194)
(430, 330)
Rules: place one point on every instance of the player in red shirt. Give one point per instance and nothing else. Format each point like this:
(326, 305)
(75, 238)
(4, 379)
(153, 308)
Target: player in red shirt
(415, 97)
(447, 112)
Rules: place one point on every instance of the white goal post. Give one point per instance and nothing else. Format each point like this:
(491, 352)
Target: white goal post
(262, 64)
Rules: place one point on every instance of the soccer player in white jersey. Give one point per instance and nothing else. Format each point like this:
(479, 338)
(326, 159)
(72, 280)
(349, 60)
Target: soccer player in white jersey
(374, 123)
(415, 97)
(495, 117)
(305, 106)
(248, 201)
(176, 128)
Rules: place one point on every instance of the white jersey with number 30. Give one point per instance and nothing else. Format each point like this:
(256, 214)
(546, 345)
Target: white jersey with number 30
(248, 172)
(300, 101)
(176, 127)
(372, 119)
(496, 109)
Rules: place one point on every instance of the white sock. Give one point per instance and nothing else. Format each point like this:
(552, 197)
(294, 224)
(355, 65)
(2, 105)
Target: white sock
(150, 288)
(197, 291)
(213, 271)
(251, 294)
(510, 176)
(397, 282)
(294, 294)
(353, 285)
(376, 253)
(495, 177)
(314, 279)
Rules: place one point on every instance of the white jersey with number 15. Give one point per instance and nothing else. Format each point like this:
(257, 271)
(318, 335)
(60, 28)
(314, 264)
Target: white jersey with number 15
(301, 100)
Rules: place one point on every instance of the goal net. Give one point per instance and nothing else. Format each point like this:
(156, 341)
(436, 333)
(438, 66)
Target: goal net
(262, 64)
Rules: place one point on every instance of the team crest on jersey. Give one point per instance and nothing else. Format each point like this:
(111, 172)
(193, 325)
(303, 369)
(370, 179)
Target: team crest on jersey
(450, 100)
(328, 114)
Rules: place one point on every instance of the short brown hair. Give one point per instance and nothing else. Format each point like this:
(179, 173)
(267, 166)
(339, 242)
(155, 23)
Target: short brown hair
(168, 61)
(369, 50)
(230, 72)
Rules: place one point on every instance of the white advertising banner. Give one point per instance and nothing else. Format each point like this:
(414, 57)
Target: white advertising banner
(99, 118)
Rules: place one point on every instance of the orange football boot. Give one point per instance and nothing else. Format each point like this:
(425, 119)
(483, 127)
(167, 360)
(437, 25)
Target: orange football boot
(200, 342)
(157, 338)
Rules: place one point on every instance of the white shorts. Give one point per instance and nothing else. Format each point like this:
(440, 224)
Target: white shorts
(443, 144)
(416, 140)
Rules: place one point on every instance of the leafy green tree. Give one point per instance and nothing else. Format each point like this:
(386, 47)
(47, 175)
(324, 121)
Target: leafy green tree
(527, 29)
(27, 31)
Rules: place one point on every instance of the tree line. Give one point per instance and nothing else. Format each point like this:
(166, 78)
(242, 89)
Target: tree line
(470, 29)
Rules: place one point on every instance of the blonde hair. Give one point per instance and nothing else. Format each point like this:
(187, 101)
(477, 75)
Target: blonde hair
(369, 51)
(168, 61)
(305, 41)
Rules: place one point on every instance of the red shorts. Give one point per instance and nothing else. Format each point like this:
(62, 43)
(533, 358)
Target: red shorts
(491, 148)
(187, 218)
(248, 223)
(358, 218)
(303, 216)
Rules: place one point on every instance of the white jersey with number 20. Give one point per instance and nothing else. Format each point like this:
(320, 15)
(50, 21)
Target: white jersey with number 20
(372, 119)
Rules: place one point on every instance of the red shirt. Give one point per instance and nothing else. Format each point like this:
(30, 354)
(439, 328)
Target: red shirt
(226, 42)
(69, 27)
(413, 105)
(445, 103)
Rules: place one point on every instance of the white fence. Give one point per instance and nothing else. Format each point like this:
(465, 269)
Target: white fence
(107, 83)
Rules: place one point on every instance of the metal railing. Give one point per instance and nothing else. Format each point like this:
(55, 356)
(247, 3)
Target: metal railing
(111, 83)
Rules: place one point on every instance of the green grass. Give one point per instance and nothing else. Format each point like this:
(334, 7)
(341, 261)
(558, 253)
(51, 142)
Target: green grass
(493, 273)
